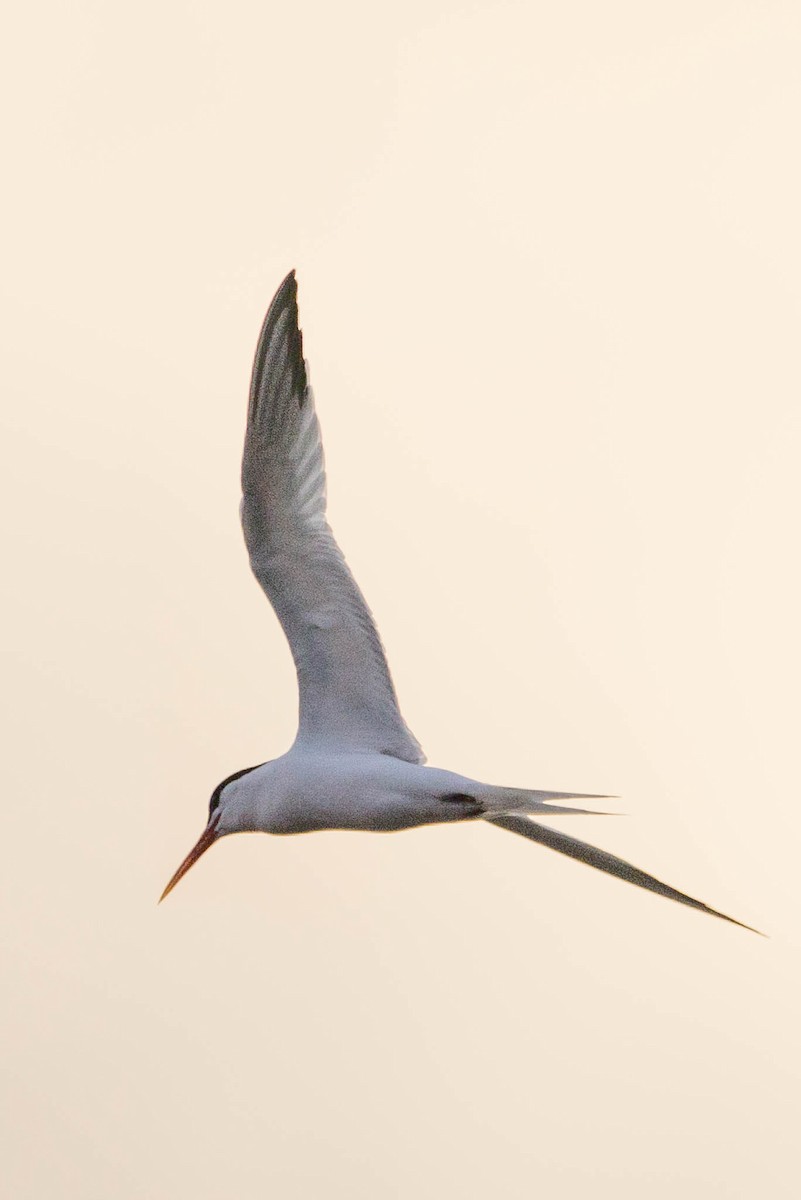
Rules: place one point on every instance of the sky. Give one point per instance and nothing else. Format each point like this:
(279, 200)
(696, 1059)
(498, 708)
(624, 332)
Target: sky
(548, 261)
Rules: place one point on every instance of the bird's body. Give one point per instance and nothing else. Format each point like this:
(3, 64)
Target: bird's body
(355, 764)
(304, 791)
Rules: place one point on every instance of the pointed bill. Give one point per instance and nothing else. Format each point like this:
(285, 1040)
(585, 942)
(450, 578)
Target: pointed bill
(207, 838)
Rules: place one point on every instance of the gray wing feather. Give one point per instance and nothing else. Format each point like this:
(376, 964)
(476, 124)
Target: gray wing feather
(347, 699)
(602, 861)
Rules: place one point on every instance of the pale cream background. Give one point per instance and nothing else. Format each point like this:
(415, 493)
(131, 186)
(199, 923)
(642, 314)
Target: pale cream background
(549, 267)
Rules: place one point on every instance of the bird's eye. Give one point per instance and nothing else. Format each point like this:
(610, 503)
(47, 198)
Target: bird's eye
(216, 795)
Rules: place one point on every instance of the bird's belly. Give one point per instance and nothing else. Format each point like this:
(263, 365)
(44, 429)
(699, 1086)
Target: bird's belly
(373, 813)
(306, 816)
(375, 793)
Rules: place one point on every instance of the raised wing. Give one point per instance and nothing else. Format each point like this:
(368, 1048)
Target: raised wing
(347, 700)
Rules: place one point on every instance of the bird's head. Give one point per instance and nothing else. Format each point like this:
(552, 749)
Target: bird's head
(230, 811)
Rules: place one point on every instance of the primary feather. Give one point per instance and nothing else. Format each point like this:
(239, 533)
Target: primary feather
(602, 860)
(346, 696)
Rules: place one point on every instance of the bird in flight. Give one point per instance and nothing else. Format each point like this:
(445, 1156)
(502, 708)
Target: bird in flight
(354, 764)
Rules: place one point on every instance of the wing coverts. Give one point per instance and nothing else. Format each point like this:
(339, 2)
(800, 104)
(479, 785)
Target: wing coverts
(346, 697)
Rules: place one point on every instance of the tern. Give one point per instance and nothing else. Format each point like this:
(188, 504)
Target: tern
(354, 764)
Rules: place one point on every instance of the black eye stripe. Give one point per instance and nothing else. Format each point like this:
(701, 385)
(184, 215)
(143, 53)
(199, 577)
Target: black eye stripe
(214, 803)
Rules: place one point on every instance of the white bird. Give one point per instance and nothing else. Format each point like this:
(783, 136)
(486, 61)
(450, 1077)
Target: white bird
(354, 763)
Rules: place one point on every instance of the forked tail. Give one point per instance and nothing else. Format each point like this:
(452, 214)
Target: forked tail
(602, 861)
(503, 801)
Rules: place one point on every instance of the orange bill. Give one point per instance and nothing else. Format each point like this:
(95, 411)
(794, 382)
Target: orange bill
(207, 838)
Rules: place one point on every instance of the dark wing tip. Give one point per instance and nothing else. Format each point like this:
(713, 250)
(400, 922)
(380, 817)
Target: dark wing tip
(285, 301)
(601, 860)
(741, 924)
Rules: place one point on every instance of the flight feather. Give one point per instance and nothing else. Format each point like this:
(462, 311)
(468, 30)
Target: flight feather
(347, 700)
